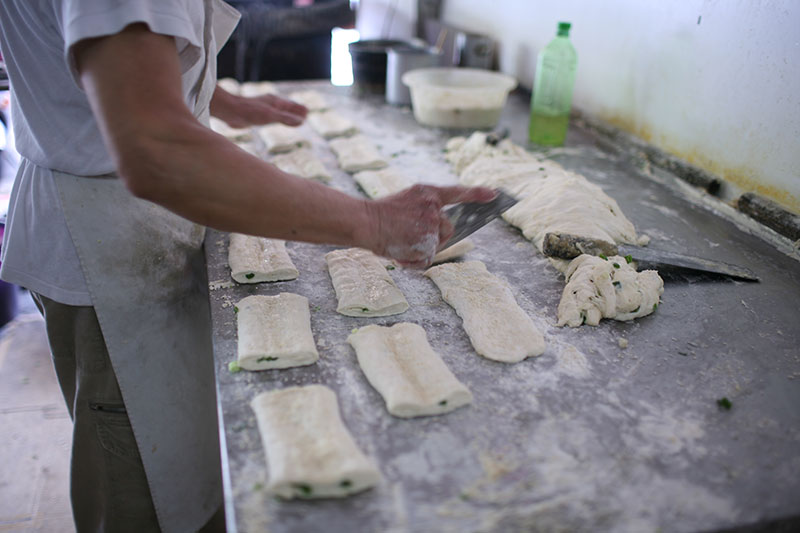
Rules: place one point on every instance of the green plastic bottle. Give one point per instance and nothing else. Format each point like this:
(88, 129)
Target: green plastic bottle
(552, 90)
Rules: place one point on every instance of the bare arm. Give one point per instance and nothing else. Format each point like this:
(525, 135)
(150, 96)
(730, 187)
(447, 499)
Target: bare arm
(132, 81)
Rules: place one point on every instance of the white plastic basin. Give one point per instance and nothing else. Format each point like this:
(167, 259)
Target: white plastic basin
(450, 97)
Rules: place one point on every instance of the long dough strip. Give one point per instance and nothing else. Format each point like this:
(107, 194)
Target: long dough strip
(310, 453)
(356, 153)
(362, 284)
(497, 327)
(400, 363)
(256, 259)
(274, 332)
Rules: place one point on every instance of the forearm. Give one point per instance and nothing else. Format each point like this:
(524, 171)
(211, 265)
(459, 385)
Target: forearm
(205, 178)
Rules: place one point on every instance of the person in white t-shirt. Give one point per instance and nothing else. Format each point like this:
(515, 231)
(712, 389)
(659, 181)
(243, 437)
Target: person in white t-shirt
(118, 173)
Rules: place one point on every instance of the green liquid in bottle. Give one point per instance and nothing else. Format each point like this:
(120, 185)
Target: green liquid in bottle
(548, 130)
(552, 90)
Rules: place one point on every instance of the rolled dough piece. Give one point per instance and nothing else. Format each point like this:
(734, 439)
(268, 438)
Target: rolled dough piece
(380, 183)
(256, 259)
(569, 205)
(280, 138)
(356, 153)
(313, 100)
(257, 88)
(363, 285)
(274, 332)
(233, 134)
(310, 453)
(497, 327)
(303, 163)
(453, 252)
(400, 363)
(600, 288)
(331, 124)
(230, 85)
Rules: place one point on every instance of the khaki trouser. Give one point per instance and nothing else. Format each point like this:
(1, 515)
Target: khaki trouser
(108, 485)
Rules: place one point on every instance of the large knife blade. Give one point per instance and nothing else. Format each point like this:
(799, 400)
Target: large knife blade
(570, 246)
(469, 217)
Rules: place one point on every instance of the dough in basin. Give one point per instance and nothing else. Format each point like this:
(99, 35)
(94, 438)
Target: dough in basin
(380, 183)
(497, 326)
(356, 153)
(400, 363)
(303, 163)
(274, 332)
(363, 285)
(310, 453)
(600, 288)
(331, 124)
(280, 138)
(256, 259)
(313, 100)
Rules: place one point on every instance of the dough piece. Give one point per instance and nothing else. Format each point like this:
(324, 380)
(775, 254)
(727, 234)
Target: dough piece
(380, 183)
(570, 205)
(357, 153)
(280, 138)
(363, 285)
(400, 363)
(511, 173)
(274, 332)
(303, 163)
(460, 151)
(497, 327)
(600, 288)
(310, 453)
(256, 259)
(233, 134)
(230, 85)
(313, 100)
(331, 124)
(453, 252)
(257, 88)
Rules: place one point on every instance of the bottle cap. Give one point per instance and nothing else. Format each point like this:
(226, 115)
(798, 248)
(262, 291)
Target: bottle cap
(563, 28)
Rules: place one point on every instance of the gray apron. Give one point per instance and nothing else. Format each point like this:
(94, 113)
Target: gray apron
(145, 270)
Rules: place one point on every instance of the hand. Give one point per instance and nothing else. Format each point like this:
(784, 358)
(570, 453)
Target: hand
(266, 109)
(242, 112)
(409, 226)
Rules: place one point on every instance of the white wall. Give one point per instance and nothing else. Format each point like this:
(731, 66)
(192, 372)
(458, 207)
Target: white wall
(722, 93)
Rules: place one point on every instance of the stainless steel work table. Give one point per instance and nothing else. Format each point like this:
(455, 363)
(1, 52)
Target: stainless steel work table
(588, 436)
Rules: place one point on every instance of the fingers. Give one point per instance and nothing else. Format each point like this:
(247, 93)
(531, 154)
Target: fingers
(285, 108)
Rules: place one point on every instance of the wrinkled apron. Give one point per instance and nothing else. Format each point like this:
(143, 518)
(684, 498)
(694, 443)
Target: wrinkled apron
(145, 270)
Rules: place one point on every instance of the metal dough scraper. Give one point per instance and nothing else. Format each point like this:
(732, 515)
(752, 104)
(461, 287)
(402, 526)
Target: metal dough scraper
(571, 246)
(469, 217)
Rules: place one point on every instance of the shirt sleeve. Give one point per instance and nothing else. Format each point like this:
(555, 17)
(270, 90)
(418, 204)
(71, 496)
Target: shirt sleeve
(86, 19)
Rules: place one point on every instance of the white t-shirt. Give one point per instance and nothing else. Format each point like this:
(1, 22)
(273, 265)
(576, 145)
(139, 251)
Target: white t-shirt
(54, 125)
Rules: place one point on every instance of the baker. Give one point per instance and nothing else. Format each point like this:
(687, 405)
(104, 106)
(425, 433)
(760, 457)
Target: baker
(119, 176)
